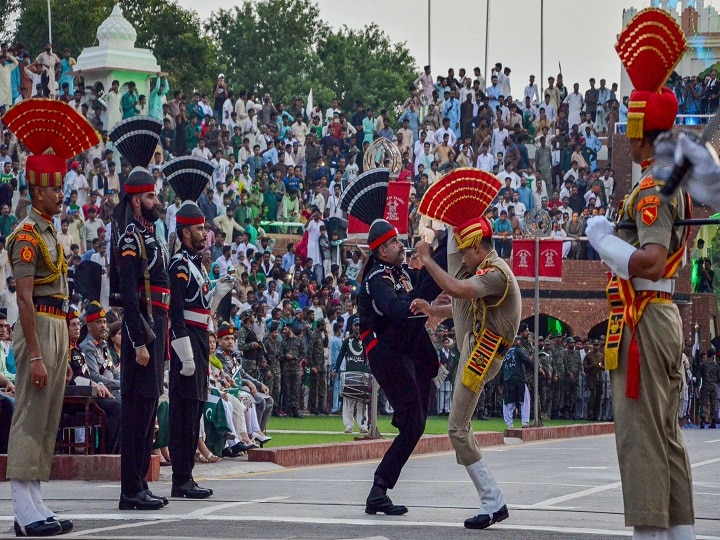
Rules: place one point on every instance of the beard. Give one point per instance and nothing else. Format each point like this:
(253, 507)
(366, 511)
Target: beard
(12, 289)
(151, 214)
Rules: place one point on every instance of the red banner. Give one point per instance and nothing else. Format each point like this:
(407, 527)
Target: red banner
(397, 208)
(550, 267)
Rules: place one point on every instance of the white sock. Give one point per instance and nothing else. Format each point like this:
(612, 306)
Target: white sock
(681, 532)
(37, 499)
(650, 533)
(24, 508)
(491, 496)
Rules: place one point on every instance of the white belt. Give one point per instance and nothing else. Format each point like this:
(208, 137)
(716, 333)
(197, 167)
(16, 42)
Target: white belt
(199, 318)
(661, 285)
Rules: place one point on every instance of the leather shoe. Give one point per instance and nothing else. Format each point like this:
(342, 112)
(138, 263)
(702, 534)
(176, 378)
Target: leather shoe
(158, 497)
(378, 501)
(236, 450)
(66, 524)
(190, 490)
(141, 501)
(38, 528)
(483, 521)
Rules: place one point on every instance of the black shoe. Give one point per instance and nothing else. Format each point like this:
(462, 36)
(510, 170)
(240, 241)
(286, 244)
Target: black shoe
(713, 425)
(141, 501)
(236, 450)
(702, 424)
(483, 521)
(158, 497)
(66, 524)
(39, 528)
(378, 501)
(190, 490)
(296, 414)
(483, 417)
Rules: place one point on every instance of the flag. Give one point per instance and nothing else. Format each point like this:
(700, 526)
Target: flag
(309, 106)
(550, 267)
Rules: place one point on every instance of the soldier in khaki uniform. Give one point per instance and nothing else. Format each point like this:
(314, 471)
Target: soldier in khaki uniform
(557, 355)
(573, 366)
(40, 340)
(644, 341)
(486, 309)
(273, 377)
(545, 376)
(594, 365)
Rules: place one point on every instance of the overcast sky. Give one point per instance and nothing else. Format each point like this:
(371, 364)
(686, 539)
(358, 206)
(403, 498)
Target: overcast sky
(579, 34)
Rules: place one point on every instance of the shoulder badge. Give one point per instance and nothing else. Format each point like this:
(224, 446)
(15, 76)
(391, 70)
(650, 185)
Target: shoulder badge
(648, 208)
(484, 271)
(28, 227)
(649, 182)
(27, 254)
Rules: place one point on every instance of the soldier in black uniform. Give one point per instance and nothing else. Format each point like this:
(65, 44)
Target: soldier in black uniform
(399, 351)
(144, 288)
(189, 321)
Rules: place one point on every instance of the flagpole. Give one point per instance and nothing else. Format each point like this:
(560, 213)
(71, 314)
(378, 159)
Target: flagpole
(542, 48)
(487, 41)
(428, 60)
(49, 22)
(536, 368)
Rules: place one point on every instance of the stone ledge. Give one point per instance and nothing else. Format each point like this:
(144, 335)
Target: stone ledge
(94, 467)
(561, 432)
(360, 450)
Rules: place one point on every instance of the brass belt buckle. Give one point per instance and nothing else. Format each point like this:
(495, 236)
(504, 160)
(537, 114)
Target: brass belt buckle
(66, 305)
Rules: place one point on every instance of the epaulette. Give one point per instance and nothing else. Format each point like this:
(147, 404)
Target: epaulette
(28, 227)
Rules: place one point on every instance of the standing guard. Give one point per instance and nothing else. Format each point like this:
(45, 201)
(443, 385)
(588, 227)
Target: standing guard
(142, 284)
(190, 319)
(40, 340)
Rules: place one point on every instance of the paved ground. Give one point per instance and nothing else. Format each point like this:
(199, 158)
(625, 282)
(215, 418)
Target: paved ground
(561, 489)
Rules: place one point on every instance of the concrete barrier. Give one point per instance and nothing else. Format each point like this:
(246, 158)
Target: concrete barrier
(93, 467)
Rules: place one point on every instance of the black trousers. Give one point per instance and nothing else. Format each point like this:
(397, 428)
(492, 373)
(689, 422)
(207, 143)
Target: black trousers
(184, 423)
(136, 435)
(407, 388)
(113, 414)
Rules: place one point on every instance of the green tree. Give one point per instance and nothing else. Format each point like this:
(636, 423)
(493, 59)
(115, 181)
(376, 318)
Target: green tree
(284, 47)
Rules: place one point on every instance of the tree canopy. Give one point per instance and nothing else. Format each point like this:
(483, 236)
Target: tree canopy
(280, 46)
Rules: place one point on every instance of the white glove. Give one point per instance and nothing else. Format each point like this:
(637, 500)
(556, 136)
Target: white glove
(597, 228)
(222, 286)
(703, 180)
(615, 252)
(183, 349)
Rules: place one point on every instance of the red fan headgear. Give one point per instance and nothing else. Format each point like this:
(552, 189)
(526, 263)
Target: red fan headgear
(460, 199)
(54, 132)
(650, 47)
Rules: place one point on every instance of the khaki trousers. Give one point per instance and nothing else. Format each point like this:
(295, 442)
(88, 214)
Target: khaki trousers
(37, 410)
(654, 465)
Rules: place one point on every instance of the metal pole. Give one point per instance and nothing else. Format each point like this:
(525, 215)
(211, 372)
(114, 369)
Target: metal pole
(542, 48)
(49, 23)
(536, 370)
(429, 63)
(487, 41)
(374, 431)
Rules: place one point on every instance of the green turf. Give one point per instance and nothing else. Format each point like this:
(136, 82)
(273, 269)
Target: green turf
(436, 425)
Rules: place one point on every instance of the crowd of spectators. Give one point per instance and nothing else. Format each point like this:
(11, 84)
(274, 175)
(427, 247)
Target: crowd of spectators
(280, 168)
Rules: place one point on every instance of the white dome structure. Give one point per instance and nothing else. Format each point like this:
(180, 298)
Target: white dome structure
(116, 31)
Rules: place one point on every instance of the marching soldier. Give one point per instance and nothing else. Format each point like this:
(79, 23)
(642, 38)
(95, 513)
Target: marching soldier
(293, 353)
(40, 341)
(594, 365)
(644, 344)
(189, 322)
(486, 308)
(273, 373)
(144, 287)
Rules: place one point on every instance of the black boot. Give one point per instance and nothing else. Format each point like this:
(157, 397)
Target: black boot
(296, 413)
(378, 501)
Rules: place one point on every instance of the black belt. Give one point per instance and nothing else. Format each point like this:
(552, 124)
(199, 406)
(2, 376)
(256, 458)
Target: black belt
(51, 304)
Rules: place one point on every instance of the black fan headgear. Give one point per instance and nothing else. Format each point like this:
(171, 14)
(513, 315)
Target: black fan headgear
(365, 198)
(188, 177)
(136, 139)
(88, 280)
(225, 326)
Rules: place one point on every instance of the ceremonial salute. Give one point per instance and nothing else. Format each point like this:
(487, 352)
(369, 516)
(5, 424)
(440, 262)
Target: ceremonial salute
(486, 309)
(144, 290)
(40, 341)
(644, 343)
(190, 297)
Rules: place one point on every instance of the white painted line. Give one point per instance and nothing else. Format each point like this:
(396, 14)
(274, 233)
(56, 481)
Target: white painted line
(214, 508)
(578, 494)
(714, 440)
(703, 463)
(118, 527)
(589, 468)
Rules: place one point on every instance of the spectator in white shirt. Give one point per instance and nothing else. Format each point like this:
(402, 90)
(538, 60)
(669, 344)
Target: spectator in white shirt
(485, 160)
